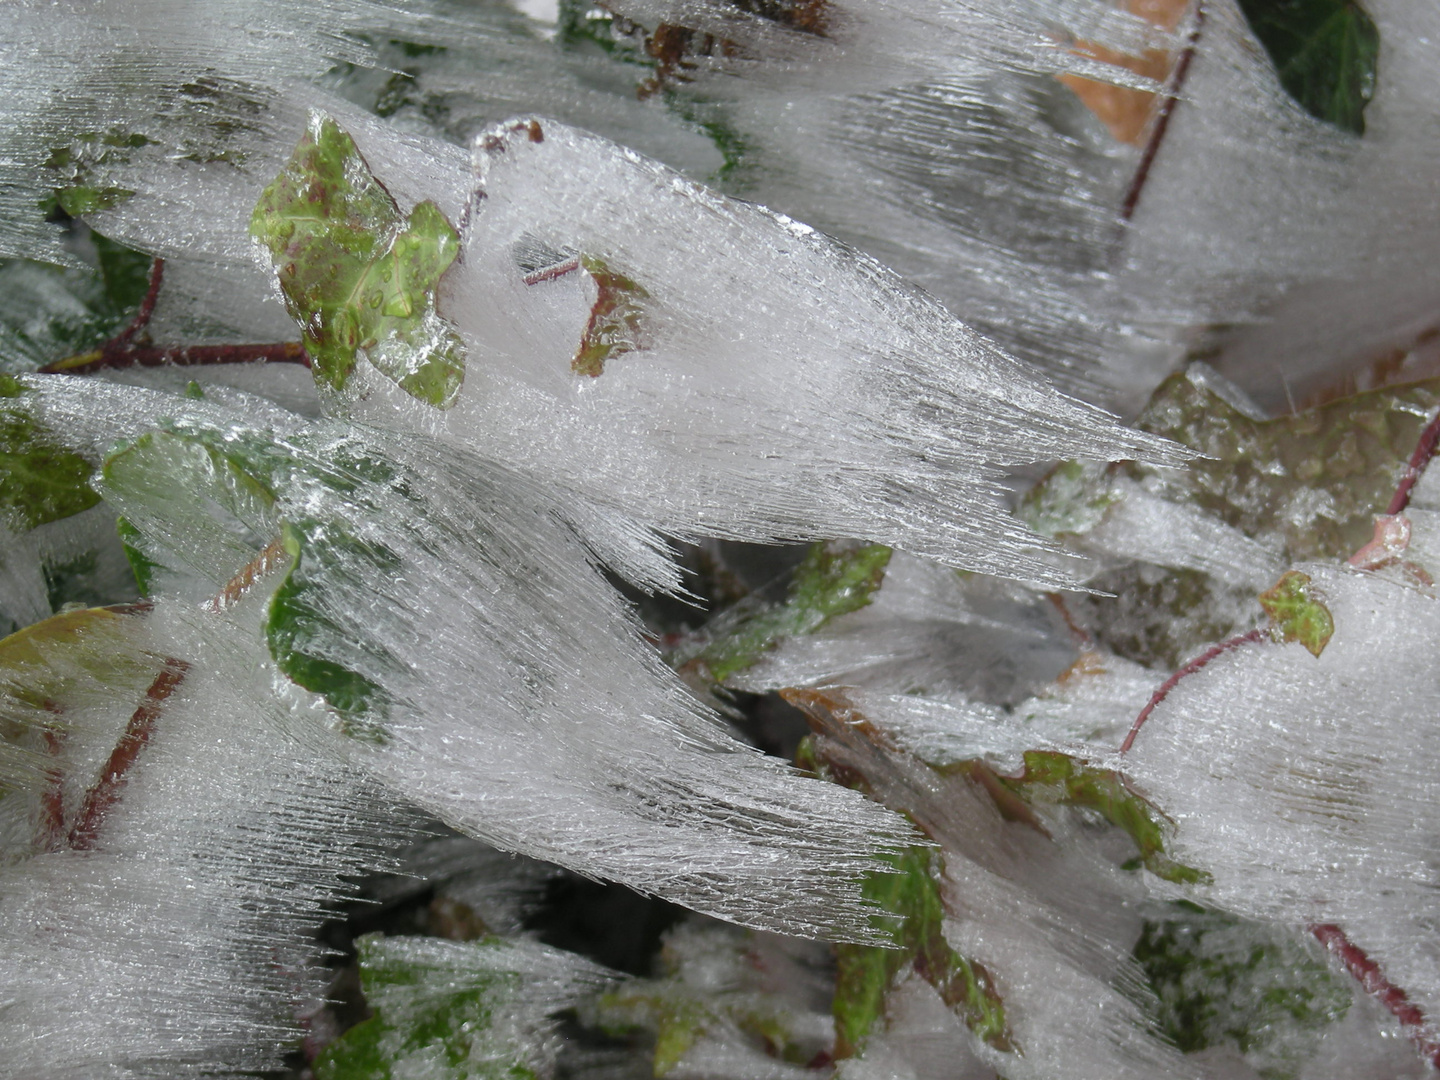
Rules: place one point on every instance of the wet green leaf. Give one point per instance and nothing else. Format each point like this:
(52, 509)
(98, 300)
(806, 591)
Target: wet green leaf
(40, 481)
(355, 274)
(1298, 613)
(835, 579)
(1324, 52)
(1056, 779)
(430, 1019)
(908, 888)
(1222, 980)
(1073, 498)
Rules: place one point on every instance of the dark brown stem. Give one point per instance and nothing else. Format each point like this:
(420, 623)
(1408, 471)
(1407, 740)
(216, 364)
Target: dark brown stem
(106, 792)
(1258, 634)
(147, 307)
(1169, 98)
(1415, 467)
(1368, 974)
(110, 356)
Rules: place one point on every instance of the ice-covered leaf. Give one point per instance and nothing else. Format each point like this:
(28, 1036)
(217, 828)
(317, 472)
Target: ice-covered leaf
(1299, 614)
(1325, 53)
(616, 318)
(1220, 979)
(834, 579)
(49, 312)
(457, 1011)
(907, 888)
(1053, 778)
(726, 991)
(1314, 480)
(40, 481)
(356, 274)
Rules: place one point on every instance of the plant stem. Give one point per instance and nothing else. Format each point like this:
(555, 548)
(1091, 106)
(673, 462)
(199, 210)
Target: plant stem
(1415, 467)
(1368, 974)
(1169, 98)
(235, 589)
(106, 792)
(114, 357)
(122, 352)
(1258, 634)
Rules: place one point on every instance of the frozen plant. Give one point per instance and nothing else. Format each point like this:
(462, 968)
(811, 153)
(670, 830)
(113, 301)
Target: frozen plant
(394, 400)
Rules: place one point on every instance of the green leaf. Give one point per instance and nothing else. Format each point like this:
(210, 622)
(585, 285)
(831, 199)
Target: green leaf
(864, 974)
(1221, 980)
(1051, 778)
(1298, 613)
(435, 1014)
(908, 888)
(207, 500)
(1324, 52)
(40, 481)
(356, 274)
(73, 171)
(209, 509)
(50, 312)
(835, 579)
(1072, 498)
(299, 622)
(615, 322)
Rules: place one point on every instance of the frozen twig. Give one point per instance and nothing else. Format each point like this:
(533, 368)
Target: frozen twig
(1169, 98)
(106, 792)
(1368, 974)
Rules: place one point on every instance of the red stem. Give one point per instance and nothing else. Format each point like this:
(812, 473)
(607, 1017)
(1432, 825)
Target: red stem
(52, 803)
(550, 273)
(1367, 973)
(106, 792)
(1170, 97)
(1258, 634)
(110, 356)
(1415, 467)
(147, 307)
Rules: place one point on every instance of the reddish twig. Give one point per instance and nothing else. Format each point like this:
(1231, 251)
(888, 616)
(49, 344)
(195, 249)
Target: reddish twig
(1170, 97)
(122, 352)
(106, 792)
(147, 307)
(1367, 973)
(52, 803)
(271, 556)
(1258, 634)
(112, 356)
(1415, 467)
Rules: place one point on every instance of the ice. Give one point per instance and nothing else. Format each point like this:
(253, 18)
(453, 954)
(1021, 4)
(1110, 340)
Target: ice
(1300, 783)
(181, 941)
(778, 385)
(525, 709)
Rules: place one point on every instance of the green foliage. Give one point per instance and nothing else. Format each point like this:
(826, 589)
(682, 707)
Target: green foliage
(1055, 779)
(213, 496)
(711, 986)
(1072, 498)
(835, 579)
(73, 168)
(1272, 478)
(440, 1019)
(299, 621)
(39, 481)
(1324, 52)
(864, 974)
(1222, 980)
(1298, 613)
(356, 274)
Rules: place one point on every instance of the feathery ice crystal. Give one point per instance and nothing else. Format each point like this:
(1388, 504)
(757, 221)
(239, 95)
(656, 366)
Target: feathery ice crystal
(451, 452)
